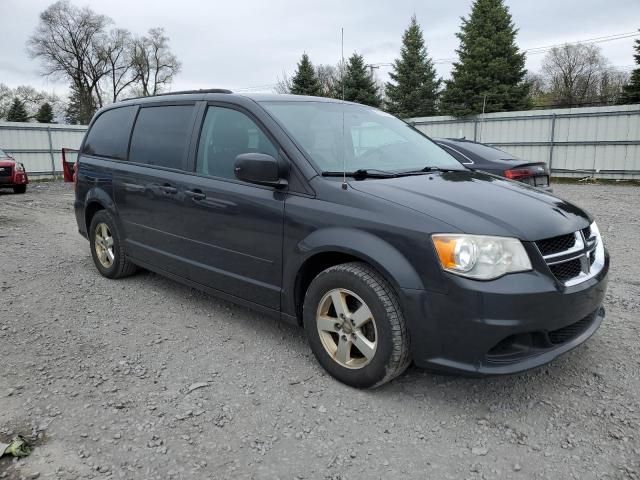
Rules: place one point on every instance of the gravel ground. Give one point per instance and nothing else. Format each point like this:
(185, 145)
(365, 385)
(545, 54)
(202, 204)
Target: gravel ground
(104, 374)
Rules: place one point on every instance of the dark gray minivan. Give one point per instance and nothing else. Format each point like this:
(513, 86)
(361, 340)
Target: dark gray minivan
(347, 220)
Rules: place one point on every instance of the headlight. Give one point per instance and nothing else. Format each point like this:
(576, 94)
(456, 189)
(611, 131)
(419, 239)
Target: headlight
(19, 167)
(480, 257)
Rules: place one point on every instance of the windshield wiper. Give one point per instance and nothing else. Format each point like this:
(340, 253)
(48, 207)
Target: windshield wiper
(431, 168)
(362, 173)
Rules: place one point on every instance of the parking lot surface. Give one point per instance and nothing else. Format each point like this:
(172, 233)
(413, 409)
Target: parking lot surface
(144, 378)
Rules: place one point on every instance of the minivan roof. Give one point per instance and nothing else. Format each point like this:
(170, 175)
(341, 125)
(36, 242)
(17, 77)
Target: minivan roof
(218, 93)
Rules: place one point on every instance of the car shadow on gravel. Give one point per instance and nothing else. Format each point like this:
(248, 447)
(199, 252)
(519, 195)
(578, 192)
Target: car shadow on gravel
(517, 389)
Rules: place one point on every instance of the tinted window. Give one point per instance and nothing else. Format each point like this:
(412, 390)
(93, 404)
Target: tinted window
(227, 133)
(109, 135)
(161, 134)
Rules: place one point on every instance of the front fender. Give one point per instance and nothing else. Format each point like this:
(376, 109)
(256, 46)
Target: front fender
(366, 246)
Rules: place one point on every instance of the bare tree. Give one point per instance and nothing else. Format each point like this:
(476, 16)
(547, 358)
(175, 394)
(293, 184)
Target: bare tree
(611, 86)
(154, 64)
(69, 43)
(31, 98)
(283, 85)
(573, 72)
(6, 98)
(118, 54)
(329, 76)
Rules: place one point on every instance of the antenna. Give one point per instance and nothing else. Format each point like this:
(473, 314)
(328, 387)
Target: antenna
(344, 156)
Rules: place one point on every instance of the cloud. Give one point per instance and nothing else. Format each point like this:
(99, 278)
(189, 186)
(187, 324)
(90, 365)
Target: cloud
(250, 43)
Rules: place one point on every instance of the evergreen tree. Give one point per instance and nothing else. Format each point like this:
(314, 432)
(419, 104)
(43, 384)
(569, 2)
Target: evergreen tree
(305, 81)
(45, 113)
(17, 112)
(359, 84)
(490, 66)
(413, 91)
(80, 108)
(72, 112)
(631, 91)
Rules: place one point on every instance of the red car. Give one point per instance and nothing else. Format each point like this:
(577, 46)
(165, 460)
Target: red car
(12, 174)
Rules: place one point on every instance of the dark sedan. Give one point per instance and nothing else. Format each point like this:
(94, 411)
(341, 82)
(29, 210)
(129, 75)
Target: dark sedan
(493, 160)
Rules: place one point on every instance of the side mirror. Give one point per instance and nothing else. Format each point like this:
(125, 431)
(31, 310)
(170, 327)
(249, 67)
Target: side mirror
(261, 169)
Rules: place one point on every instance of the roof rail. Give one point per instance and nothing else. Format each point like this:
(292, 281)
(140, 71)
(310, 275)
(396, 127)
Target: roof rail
(182, 92)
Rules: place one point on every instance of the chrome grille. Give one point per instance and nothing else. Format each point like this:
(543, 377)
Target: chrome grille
(566, 270)
(575, 257)
(556, 244)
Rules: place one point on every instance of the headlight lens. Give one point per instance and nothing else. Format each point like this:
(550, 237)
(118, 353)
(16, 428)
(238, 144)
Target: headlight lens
(479, 256)
(19, 167)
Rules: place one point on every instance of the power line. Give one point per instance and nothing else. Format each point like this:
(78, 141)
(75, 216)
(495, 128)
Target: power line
(544, 49)
(608, 38)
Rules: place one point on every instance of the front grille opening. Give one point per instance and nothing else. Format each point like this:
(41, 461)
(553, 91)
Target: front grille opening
(556, 244)
(6, 172)
(517, 347)
(587, 232)
(565, 334)
(521, 346)
(567, 270)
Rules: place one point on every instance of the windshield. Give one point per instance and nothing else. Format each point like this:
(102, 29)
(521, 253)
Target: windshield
(2, 154)
(373, 140)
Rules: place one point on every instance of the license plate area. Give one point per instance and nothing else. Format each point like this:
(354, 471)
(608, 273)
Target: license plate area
(541, 181)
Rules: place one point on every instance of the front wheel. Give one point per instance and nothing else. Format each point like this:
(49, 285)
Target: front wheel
(355, 326)
(20, 189)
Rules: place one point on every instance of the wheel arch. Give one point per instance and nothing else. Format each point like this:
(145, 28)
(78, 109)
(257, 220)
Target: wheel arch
(97, 199)
(328, 247)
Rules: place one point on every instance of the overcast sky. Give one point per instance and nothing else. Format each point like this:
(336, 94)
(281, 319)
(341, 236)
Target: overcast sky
(247, 44)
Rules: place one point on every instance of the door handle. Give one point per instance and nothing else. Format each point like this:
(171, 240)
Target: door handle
(168, 189)
(196, 194)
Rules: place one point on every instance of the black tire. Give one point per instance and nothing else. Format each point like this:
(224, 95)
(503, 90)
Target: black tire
(391, 357)
(121, 266)
(20, 189)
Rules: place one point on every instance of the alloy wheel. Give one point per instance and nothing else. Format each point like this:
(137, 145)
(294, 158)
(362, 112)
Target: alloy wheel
(347, 328)
(103, 241)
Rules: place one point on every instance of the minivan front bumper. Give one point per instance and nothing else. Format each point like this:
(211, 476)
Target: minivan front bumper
(515, 323)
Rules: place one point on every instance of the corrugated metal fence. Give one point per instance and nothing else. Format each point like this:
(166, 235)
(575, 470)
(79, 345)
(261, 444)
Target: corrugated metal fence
(599, 141)
(575, 142)
(38, 146)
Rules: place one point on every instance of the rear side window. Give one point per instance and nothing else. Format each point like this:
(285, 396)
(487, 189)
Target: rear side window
(161, 135)
(109, 135)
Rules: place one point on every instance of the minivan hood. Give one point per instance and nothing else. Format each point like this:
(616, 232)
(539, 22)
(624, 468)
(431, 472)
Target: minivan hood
(480, 203)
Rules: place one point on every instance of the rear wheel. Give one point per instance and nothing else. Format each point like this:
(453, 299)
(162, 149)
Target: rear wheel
(355, 326)
(20, 189)
(107, 247)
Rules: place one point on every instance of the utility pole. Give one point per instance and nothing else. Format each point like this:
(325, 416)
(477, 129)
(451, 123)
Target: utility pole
(372, 66)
